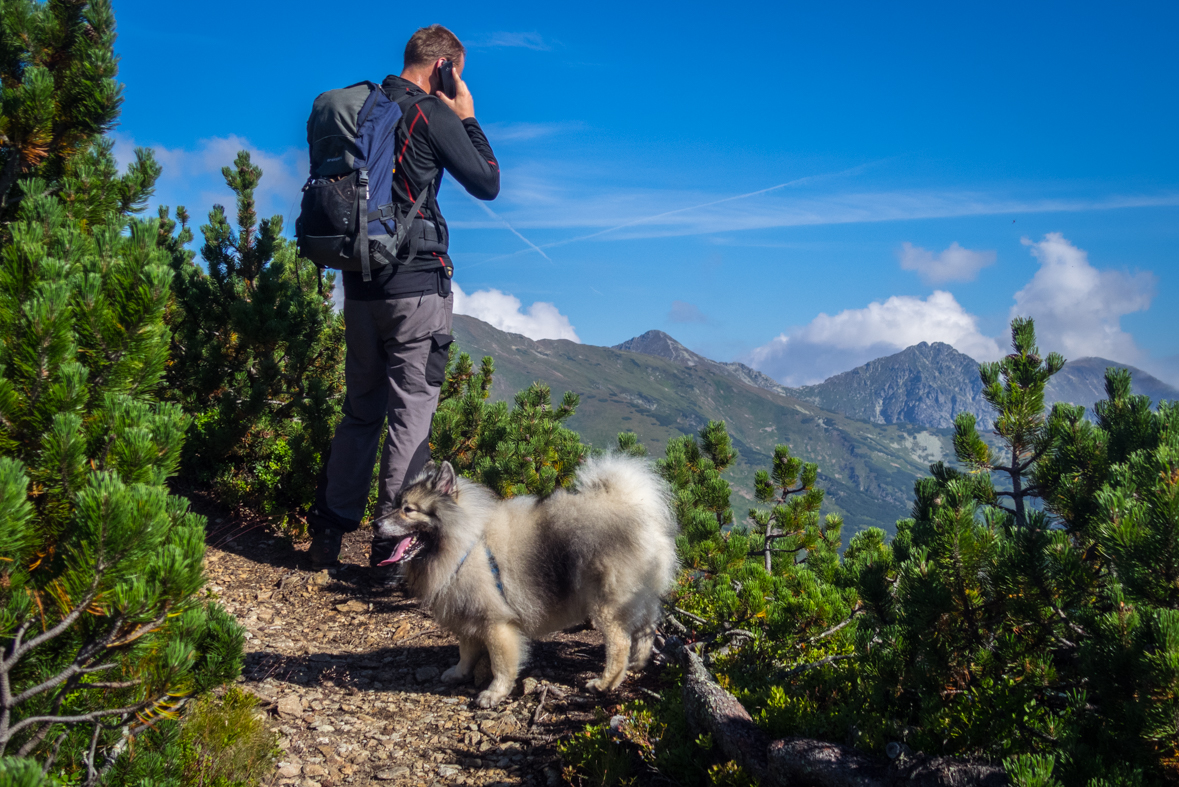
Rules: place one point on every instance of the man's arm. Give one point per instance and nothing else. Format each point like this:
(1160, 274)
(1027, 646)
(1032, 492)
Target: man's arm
(461, 145)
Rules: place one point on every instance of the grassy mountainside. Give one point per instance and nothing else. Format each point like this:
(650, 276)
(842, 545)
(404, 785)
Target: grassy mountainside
(867, 469)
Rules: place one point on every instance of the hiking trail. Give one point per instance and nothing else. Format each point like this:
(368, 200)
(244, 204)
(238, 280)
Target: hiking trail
(348, 674)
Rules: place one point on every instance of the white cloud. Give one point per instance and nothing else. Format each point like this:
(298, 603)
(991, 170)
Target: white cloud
(504, 311)
(833, 344)
(1078, 308)
(192, 177)
(523, 132)
(517, 40)
(953, 264)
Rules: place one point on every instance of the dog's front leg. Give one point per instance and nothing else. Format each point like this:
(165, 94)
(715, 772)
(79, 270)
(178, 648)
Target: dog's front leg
(505, 645)
(470, 649)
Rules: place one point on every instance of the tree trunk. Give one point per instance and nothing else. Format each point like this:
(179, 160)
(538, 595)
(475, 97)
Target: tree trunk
(805, 762)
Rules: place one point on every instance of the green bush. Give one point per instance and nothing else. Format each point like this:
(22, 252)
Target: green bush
(221, 741)
(101, 617)
(1026, 614)
(256, 357)
(520, 450)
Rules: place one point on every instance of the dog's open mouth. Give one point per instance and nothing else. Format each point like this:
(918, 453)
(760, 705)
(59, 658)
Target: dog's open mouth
(405, 550)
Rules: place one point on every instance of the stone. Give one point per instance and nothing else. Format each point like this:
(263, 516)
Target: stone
(354, 605)
(289, 770)
(530, 685)
(289, 706)
(320, 578)
(424, 674)
(311, 769)
(389, 774)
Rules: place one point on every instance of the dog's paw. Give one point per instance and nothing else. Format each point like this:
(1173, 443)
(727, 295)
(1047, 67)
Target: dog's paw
(453, 675)
(490, 698)
(598, 684)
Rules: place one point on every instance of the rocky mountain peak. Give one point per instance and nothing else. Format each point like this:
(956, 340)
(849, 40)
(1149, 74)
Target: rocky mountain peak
(660, 345)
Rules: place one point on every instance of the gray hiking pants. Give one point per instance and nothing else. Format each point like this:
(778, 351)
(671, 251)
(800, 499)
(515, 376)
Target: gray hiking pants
(394, 371)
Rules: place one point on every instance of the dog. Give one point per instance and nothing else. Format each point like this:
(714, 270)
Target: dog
(497, 573)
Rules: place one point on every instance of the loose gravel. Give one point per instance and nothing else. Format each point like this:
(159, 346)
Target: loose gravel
(348, 672)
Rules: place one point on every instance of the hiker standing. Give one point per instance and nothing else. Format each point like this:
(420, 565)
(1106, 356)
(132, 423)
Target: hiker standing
(398, 139)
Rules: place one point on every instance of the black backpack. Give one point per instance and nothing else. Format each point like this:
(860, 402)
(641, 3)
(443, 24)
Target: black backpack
(348, 221)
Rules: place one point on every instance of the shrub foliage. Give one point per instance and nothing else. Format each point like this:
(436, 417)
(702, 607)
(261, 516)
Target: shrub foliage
(257, 356)
(102, 626)
(1026, 613)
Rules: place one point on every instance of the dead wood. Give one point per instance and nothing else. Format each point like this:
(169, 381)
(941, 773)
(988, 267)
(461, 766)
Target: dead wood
(805, 762)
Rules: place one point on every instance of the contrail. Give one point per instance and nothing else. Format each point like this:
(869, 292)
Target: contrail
(666, 213)
(633, 222)
(504, 222)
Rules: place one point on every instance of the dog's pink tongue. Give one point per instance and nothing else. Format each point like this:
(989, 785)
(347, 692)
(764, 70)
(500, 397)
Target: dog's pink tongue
(398, 553)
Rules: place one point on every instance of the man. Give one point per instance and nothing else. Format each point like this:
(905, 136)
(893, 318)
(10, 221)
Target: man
(397, 326)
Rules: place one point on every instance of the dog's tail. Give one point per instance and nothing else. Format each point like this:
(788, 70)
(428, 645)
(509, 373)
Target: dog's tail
(646, 496)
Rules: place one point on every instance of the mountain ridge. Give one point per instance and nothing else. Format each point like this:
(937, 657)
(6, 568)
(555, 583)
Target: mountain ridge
(867, 470)
(926, 384)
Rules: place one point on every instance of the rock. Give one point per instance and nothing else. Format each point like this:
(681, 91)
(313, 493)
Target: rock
(289, 771)
(446, 771)
(424, 674)
(289, 706)
(320, 578)
(311, 769)
(530, 685)
(389, 774)
(354, 605)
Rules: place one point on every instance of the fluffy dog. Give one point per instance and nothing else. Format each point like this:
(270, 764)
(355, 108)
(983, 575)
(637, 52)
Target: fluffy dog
(499, 572)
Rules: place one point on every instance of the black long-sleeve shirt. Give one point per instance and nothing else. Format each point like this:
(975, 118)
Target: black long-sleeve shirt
(437, 140)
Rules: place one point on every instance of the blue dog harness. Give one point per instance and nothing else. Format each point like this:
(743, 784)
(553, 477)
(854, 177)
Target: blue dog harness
(499, 585)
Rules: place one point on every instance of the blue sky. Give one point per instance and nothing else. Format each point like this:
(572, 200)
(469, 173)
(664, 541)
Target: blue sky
(800, 186)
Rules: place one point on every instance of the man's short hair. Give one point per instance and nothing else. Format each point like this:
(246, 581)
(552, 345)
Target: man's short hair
(430, 43)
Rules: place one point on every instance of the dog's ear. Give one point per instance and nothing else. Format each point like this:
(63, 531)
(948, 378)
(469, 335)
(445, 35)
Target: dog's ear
(445, 479)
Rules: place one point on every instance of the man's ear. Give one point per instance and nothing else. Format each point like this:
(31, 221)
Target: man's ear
(445, 480)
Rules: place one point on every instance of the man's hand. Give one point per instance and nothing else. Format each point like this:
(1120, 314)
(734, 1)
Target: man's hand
(463, 104)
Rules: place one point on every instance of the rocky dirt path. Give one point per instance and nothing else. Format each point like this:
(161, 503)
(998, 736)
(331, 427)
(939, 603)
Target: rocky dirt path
(349, 673)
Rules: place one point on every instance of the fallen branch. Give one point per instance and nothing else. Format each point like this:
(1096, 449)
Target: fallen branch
(805, 762)
(812, 665)
(544, 692)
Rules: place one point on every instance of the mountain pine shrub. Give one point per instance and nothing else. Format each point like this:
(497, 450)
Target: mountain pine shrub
(257, 356)
(102, 626)
(525, 449)
(1031, 619)
(1026, 613)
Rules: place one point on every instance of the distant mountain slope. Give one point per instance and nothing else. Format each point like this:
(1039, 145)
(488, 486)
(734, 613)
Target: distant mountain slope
(926, 384)
(1083, 382)
(867, 469)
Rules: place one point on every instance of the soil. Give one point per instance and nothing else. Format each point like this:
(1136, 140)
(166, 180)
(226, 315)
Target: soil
(347, 669)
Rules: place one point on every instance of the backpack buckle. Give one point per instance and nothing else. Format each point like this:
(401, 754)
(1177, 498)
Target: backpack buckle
(363, 176)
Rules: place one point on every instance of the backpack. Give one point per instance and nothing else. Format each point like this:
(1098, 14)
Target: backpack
(348, 221)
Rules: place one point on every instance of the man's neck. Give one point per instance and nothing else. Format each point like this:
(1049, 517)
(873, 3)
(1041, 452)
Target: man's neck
(418, 76)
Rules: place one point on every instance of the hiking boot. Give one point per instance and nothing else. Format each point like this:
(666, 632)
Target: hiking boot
(325, 548)
(327, 532)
